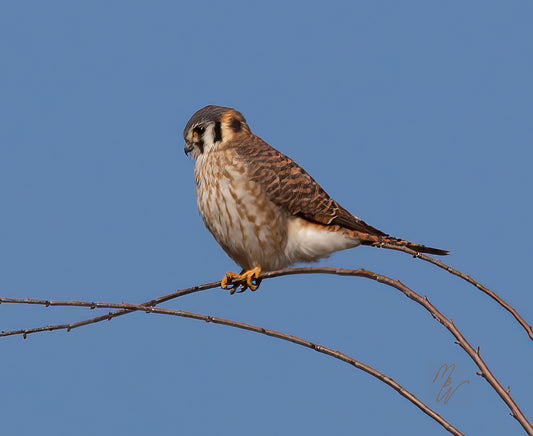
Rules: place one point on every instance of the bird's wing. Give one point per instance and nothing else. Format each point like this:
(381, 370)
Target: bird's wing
(290, 187)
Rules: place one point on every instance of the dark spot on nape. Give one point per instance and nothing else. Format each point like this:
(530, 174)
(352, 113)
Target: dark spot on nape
(218, 131)
(235, 124)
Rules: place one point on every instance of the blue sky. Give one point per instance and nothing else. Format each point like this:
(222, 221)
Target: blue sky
(414, 115)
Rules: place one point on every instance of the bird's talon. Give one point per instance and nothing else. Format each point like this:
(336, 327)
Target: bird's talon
(252, 283)
(230, 281)
(240, 282)
(252, 278)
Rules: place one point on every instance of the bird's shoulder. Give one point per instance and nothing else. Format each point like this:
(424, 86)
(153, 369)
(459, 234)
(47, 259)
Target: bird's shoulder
(290, 187)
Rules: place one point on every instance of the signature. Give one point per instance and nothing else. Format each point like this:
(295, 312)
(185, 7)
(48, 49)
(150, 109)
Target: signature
(447, 394)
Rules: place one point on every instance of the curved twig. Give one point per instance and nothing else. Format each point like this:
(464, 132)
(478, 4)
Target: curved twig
(250, 327)
(423, 301)
(455, 272)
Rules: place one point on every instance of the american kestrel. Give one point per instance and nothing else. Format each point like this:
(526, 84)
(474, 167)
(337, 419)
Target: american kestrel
(263, 209)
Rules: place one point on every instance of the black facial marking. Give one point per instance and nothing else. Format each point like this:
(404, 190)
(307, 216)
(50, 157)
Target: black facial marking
(200, 130)
(235, 124)
(218, 131)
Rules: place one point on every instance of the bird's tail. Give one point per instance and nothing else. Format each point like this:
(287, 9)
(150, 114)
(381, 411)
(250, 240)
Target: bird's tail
(380, 240)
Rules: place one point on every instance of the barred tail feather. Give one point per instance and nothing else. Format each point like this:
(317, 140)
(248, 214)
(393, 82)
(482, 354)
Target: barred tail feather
(378, 240)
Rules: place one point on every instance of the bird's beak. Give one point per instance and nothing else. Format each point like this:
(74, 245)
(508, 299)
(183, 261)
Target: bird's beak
(187, 148)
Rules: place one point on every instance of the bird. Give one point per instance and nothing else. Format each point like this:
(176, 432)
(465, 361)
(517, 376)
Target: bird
(263, 209)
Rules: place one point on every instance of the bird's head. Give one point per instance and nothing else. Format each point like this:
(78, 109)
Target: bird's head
(211, 126)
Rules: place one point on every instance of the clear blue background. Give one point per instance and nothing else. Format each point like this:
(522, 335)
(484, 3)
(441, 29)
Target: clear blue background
(414, 115)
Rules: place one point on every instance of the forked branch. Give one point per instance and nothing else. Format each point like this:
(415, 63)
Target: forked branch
(149, 307)
(126, 308)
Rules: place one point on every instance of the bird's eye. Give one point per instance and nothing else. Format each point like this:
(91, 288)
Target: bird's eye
(198, 131)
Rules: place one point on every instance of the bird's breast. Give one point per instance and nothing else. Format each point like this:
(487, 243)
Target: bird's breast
(249, 227)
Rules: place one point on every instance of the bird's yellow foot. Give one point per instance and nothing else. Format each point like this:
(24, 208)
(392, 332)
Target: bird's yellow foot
(246, 279)
(230, 281)
(252, 278)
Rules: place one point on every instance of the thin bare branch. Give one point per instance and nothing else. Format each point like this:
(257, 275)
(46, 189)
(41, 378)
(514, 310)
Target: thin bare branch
(423, 301)
(126, 307)
(482, 288)
(108, 316)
